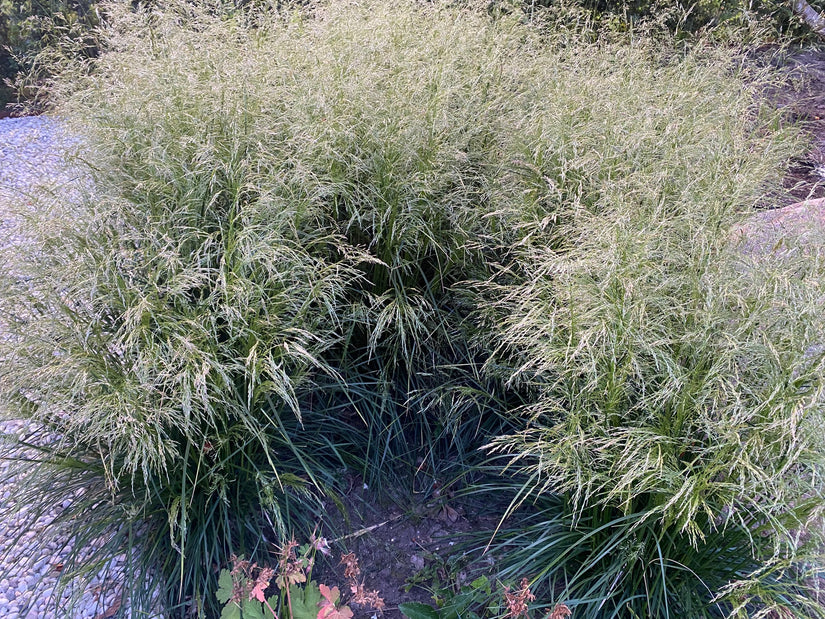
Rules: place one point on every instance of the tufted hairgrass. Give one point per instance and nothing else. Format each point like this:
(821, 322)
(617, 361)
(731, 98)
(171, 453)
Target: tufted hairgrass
(367, 236)
(673, 373)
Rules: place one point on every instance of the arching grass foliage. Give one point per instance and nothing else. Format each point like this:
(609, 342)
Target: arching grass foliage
(376, 236)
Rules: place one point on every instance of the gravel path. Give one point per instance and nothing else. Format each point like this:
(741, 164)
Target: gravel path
(32, 558)
(33, 158)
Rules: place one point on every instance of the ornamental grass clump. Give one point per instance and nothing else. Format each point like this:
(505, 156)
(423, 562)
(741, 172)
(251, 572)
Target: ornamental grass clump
(373, 237)
(673, 374)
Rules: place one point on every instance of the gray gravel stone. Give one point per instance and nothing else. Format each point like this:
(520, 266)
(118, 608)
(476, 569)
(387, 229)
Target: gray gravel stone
(33, 158)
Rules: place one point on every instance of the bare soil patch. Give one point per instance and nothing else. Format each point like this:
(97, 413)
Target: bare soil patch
(408, 546)
(803, 98)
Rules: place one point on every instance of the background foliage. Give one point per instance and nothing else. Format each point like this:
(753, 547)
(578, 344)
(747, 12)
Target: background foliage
(26, 26)
(30, 26)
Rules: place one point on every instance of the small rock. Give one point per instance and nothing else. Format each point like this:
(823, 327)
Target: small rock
(418, 562)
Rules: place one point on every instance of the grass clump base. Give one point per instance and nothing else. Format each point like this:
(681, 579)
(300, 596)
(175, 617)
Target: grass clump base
(373, 237)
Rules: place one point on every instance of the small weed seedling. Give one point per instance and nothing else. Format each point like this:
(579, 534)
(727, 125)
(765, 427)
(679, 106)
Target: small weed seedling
(476, 601)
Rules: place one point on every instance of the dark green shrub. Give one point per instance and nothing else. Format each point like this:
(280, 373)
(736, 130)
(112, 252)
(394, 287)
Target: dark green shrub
(29, 26)
(736, 19)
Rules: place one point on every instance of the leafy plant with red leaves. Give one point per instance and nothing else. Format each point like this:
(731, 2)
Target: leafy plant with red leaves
(242, 590)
